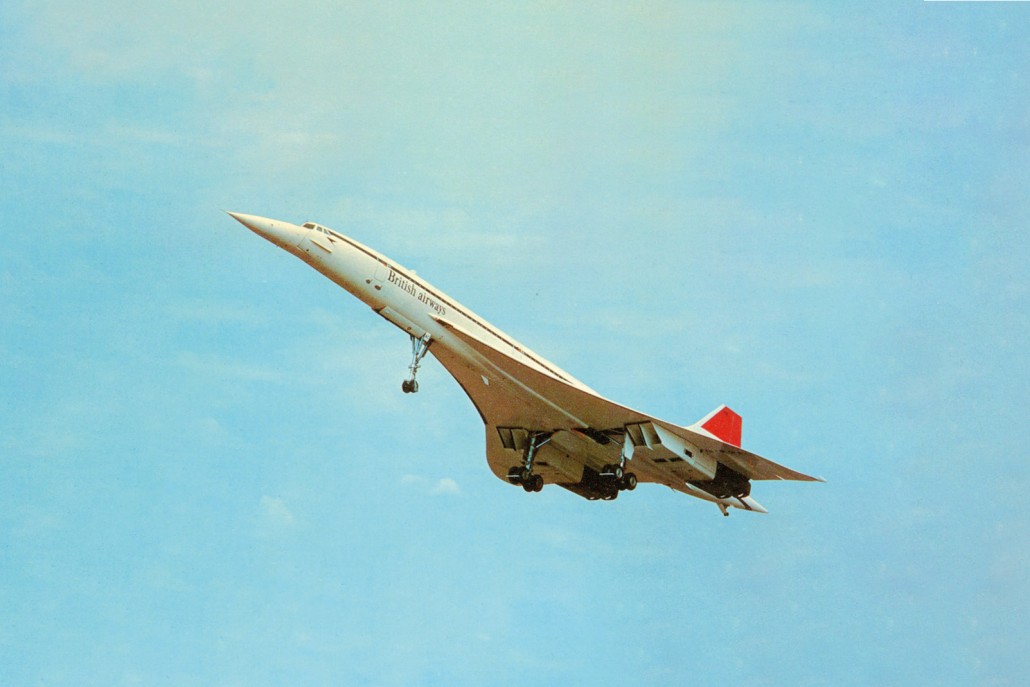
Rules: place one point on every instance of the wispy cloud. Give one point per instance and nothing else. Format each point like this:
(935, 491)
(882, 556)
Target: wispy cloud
(275, 511)
(445, 486)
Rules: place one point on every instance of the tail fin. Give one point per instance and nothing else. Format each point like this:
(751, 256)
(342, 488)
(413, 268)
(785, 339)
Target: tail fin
(723, 424)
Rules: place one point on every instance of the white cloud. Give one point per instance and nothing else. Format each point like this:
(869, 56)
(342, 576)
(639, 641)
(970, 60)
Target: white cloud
(444, 486)
(275, 511)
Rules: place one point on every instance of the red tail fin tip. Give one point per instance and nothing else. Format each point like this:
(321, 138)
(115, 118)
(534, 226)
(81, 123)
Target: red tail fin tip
(725, 424)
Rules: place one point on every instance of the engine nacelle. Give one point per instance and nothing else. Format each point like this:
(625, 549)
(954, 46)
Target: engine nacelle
(727, 483)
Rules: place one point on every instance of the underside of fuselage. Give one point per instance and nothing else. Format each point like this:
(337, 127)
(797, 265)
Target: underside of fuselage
(587, 461)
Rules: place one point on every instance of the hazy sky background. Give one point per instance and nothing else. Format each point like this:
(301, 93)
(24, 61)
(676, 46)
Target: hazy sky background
(816, 213)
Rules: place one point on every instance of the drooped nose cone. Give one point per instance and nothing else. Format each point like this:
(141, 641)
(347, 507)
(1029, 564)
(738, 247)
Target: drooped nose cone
(282, 234)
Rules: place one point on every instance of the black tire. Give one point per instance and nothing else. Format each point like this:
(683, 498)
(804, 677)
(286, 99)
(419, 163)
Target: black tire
(617, 471)
(629, 481)
(538, 483)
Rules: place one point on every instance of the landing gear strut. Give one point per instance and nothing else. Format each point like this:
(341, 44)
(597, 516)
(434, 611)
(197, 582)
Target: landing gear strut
(419, 348)
(523, 474)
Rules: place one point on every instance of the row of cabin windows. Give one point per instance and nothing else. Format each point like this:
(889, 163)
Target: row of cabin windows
(319, 227)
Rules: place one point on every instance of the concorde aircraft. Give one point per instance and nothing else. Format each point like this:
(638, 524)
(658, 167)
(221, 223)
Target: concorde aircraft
(543, 426)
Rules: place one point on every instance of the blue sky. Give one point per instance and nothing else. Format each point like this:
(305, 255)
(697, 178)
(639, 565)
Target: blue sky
(813, 212)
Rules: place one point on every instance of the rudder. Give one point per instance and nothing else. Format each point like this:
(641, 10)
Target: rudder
(723, 424)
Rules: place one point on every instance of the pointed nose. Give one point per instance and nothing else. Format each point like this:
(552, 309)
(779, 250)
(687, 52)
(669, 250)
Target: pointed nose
(282, 234)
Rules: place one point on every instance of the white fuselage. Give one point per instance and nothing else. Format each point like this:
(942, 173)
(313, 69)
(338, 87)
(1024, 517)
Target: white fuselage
(393, 291)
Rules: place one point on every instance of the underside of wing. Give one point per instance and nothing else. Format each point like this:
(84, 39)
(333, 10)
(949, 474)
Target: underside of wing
(747, 463)
(586, 436)
(509, 391)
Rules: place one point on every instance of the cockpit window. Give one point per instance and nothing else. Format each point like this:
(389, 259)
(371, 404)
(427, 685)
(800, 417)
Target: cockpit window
(319, 228)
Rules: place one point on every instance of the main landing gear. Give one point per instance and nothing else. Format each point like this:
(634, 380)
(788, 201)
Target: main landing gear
(523, 474)
(525, 477)
(419, 348)
(615, 479)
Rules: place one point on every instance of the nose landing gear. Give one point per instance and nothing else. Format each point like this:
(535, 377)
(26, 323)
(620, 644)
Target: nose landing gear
(419, 348)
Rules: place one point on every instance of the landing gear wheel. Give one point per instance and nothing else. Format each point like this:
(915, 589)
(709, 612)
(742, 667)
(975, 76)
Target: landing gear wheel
(629, 481)
(528, 486)
(538, 483)
(407, 386)
(526, 476)
(617, 471)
